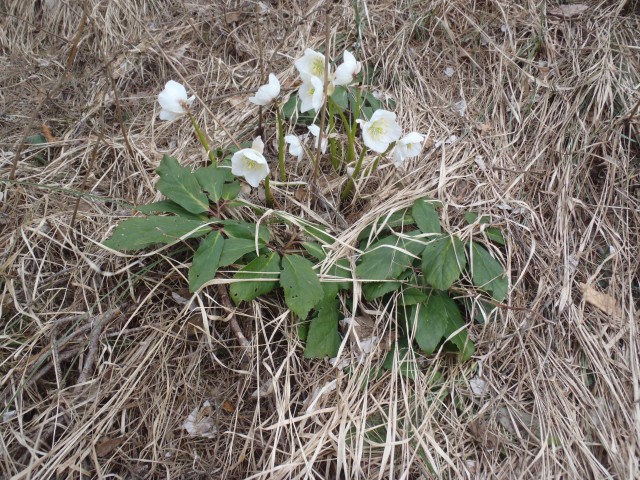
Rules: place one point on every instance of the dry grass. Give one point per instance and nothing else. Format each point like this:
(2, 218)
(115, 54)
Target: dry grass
(552, 109)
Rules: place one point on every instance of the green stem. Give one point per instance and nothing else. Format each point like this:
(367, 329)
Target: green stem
(333, 148)
(203, 139)
(283, 174)
(351, 131)
(267, 192)
(350, 183)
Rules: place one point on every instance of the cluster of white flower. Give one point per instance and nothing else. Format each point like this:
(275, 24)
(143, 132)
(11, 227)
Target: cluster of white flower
(379, 133)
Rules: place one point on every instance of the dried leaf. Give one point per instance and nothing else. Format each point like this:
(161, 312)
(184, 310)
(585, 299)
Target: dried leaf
(199, 423)
(107, 445)
(571, 10)
(601, 301)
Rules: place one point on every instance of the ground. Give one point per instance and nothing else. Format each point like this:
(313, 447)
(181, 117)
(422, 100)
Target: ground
(103, 356)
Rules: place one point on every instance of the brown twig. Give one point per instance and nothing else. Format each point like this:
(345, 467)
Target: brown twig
(235, 326)
(97, 326)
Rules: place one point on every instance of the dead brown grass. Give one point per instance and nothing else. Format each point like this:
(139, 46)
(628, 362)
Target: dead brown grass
(548, 145)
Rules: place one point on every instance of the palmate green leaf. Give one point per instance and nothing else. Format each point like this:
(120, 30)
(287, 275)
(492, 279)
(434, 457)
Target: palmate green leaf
(240, 229)
(487, 273)
(375, 290)
(211, 179)
(138, 233)
(230, 190)
(205, 261)
(323, 338)
(442, 261)
(386, 259)
(340, 98)
(494, 234)
(407, 364)
(436, 319)
(180, 185)
(398, 219)
(315, 250)
(168, 206)
(425, 216)
(234, 249)
(302, 288)
(259, 277)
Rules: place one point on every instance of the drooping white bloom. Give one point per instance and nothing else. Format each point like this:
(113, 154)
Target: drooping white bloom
(347, 70)
(407, 147)
(266, 94)
(380, 131)
(250, 163)
(310, 93)
(295, 146)
(315, 131)
(173, 101)
(310, 65)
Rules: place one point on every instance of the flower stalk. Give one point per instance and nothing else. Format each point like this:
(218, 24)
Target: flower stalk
(281, 150)
(203, 139)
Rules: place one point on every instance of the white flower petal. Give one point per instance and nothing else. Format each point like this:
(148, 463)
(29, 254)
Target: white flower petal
(373, 143)
(347, 70)
(258, 144)
(167, 115)
(310, 65)
(266, 94)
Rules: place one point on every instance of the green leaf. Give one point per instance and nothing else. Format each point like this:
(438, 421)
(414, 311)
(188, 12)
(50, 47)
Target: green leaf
(302, 288)
(492, 233)
(323, 338)
(398, 219)
(318, 233)
(388, 258)
(407, 364)
(487, 273)
(234, 249)
(230, 190)
(211, 179)
(426, 217)
(375, 290)
(167, 206)
(412, 296)
(315, 250)
(341, 269)
(442, 262)
(341, 98)
(240, 229)
(138, 233)
(205, 261)
(435, 319)
(495, 235)
(37, 139)
(181, 186)
(260, 275)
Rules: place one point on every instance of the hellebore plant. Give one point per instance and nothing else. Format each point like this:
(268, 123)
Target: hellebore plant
(409, 261)
(173, 101)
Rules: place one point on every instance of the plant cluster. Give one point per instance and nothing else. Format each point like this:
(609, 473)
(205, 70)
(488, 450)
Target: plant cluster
(408, 260)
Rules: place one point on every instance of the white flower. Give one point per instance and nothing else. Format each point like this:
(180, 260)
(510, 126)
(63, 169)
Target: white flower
(250, 163)
(311, 94)
(315, 131)
(295, 146)
(310, 65)
(407, 147)
(349, 69)
(380, 131)
(266, 94)
(173, 101)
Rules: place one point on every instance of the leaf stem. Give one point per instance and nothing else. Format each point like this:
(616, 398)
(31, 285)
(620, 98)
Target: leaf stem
(281, 150)
(203, 139)
(267, 192)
